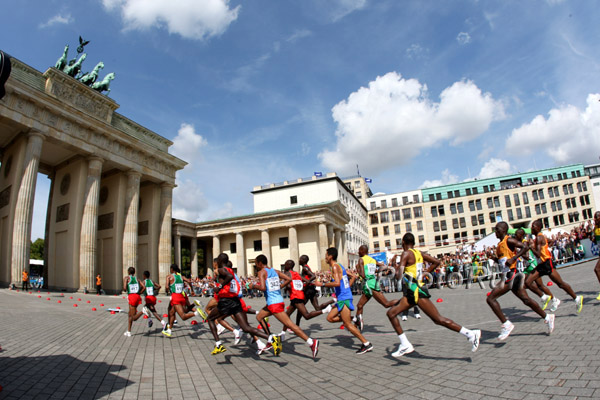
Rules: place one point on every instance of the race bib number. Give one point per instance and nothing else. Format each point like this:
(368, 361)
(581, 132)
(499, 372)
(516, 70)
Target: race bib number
(179, 288)
(233, 286)
(345, 282)
(371, 268)
(419, 271)
(273, 284)
(150, 291)
(297, 284)
(134, 288)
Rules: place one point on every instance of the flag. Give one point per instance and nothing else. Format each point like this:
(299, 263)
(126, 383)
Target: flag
(318, 174)
(368, 180)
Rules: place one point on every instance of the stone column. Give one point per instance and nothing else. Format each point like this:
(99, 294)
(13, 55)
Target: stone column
(130, 234)
(338, 245)
(21, 242)
(344, 248)
(266, 244)
(293, 243)
(239, 246)
(178, 250)
(47, 242)
(330, 236)
(194, 256)
(216, 250)
(323, 245)
(164, 241)
(89, 226)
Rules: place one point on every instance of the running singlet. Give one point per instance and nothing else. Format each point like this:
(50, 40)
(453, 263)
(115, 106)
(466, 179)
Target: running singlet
(237, 278)
(177, 285)
(544, 252)
(504, 253)
(415, 270)
(597, 234)
(296, 287)
(149, 287)
(133, 286)
(307, 277)
(370, 267)
(273, 286)
(343, 292)
(232, 289)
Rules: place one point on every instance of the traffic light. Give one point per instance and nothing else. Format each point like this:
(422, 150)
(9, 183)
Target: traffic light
(4, 71)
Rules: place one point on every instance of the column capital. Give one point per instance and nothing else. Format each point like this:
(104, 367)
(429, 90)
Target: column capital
(95, 158)
(133, 173)
(36, 133)
(167, 185)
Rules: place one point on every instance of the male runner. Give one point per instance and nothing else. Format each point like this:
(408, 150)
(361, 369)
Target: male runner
(269, 281)
(297, 295)
(343, 292)
(508, 255)
(133, 289)
(411, 271)
(175, 283)
(545, 267)
(222, 325)
(367, 268)
(596, 239)
(310, 293)
(229, 304)
(536, 286)
(152, 289)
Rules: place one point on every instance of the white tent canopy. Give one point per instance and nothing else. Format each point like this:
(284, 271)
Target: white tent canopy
(488, 241)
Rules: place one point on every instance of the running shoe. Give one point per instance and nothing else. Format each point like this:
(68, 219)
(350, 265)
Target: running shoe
(128, 334)
(150, 323)
(220, 329)
(404, 318)
(237, 336)
(579, 303)
(166, 331)
(163, 323)
(268, 347)
(554, 304)
(288, 330)
(550, 322)
(546, 300)
(315, 348)
(506, 330)
(282, 336)
(402, 350)
(218, 350)
(418, 316)
(277, 347)
(146, 312)
(364, 349)
(175, 323)
(475, 340)
(200, 309)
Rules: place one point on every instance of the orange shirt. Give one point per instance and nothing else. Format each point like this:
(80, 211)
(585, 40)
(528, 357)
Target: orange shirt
(25, 276)
(98, 281)
(504, 253)
(544, 251)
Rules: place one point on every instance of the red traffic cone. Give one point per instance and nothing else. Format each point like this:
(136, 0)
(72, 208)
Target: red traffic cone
(74, 305)
(78, 299)
(71, 298)
(440, 300)
(94, 309)
(59, 302)
(101, 305)
(39, 297)
(165, 315)
(48, 298)
(550, 283)
(89, 301)
(489, 293)
(112, 312)
(145, 316)
(194, 322)
(118, 308)
(342, 326)
(259, 326)
(29, 292)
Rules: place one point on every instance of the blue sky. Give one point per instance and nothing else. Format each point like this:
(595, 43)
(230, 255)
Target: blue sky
(416, 93)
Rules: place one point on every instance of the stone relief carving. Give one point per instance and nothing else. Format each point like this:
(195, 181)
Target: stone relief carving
(62, 212)
(106, 221)
(5, 197)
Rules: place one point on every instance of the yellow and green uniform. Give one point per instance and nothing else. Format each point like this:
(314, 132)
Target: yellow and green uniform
(412, 285)
(531, 262)
(371, 283)
(597, 234)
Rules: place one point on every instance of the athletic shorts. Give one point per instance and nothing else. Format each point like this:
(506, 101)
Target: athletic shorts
(530, 268)
(296, 301)
(413, 291)
(310, 292)
(370, 286)
(348, 303)
(545, 268)
(229, 306)
(150, 300)
(134, 299)
(276, 308)
(511, 274)
(177, 298)
(245, 307)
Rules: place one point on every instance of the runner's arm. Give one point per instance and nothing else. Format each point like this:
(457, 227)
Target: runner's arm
(286, 279)
(261, 285)
(523, 248)
(433, 262)
(360, 268)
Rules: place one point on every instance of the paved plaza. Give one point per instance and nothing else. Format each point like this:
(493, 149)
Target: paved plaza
(55, 350)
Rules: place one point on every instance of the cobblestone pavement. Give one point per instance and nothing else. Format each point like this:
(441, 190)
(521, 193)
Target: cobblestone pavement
(53, 350)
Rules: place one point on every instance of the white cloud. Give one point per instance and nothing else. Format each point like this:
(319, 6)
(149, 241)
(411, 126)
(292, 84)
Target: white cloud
(57, 20)
(189, 201)
(345, 7)
(192, 19)
(393, 111)
(495, 167)
(447, 179)
(463, 38)
(568, 135)
(416, 52)
(299, 34)
(187, 144)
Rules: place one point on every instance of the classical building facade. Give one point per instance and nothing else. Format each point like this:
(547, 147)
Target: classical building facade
(110, 200)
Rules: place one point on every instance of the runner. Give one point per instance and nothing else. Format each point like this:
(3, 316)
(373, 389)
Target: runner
(310, 292)
(596, 239)
(297, 296)
(229, 304)
(133, 289)
(98, 284)
(512, 280)
(344, 307)
(152, 289)
(367, 269)
(270, 283)
(545, 267)
(222, 325)
(175, 284)
(411, 271)
(536, 286)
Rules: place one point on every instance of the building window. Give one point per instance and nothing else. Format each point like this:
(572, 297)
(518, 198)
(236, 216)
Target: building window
(387, 244)
(258, 245)
(481, 219)
(376, 246)
(443, 225)
(396, 215)
(398, 243)
(386, 230)
(374, 218)
(460, 208)
(375, 233)
(383, 203)
(408, 227)
(496, 202)
(527, 212)
(441, 210)
(525, 198)
(421, 240)
(406, 213)
(468, 192)
(431, 197)
(510, 215)
(384, 217)
(463, 222)
(490, 202)
(492, 217)
(519, 213)
(453, 208)
(434, 211)
(419, 225)
(293, 199)
(373, 205)
(517, 200)
(415, 198)
(397, 229)
(455, 223)
(474, 220)
(358, 195)
(438, 196)
(507, 201)
(394, 202)
(418, 212)
(436, 226)
(438, 240)
(472, 205)
(357, 184)
(232, 248)
(283, 243)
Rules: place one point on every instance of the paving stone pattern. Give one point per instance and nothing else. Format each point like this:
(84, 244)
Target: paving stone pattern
(57, 351)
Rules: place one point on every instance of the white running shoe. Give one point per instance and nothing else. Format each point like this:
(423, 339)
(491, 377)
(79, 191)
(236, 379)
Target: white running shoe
(402, 350)
(404, 318)
(418, 316)
(550, 322)
(327, 309)
(237, 336)
(579, 303)
(282, 336)
(220, 329)
(506, 330)
(545, 299)
(163, 323)
(267, 347)
(128, 334)
(146, 312)
(554, 304)
(475, 340)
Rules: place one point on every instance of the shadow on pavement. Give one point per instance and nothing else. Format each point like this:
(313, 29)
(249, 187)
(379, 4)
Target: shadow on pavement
(51, 376)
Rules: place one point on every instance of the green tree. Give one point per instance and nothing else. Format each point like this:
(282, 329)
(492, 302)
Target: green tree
(37, 250)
